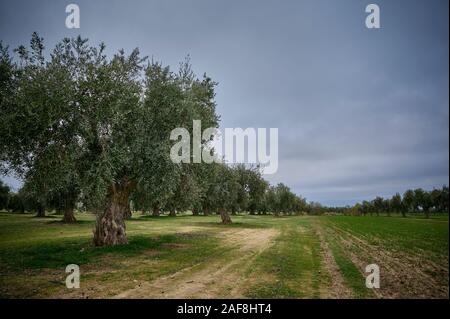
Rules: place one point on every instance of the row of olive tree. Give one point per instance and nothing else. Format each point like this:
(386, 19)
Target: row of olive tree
(280, 199)
(16, 202)
(207, 188)
(222, 188)
(23, 201)
(412, 201)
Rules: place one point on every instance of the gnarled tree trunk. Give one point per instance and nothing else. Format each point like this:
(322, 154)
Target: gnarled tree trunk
(110, 226)
(127, 211)
(172, 212)
(40, 211)
(194, 212)
(226, 219)
(155, 211)
(206, 211)
(69, 216)
(69, 206)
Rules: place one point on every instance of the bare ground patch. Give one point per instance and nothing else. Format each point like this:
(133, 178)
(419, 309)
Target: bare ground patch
(221, 278)
(338, 289)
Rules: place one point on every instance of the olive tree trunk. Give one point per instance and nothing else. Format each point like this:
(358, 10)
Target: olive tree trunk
(69, 207)
(110, 226)
(172, 212)
(40, 211)
(226, 219)
(69, 216)
(155, 211)
(127, 211)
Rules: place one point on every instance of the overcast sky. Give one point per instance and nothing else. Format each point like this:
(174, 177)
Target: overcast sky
(360, 112)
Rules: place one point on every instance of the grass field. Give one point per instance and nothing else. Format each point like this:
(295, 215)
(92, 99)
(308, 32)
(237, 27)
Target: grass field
(255, 257)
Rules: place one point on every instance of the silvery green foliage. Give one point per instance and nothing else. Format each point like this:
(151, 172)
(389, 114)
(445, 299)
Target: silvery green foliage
(38, 122)
(280, 199)
(78, 122)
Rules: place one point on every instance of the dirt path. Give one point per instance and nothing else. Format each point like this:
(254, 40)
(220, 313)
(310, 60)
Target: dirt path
(221, 278)
(338, 289)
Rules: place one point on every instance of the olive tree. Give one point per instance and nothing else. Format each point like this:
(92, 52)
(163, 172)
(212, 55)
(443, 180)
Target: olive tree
(95, 128)
(138, 144)
(4, 195)
(424, 200)
(409, 201)
(257, 187)
(440, 198)
(38, 123)
(225, 191)
(396, 204)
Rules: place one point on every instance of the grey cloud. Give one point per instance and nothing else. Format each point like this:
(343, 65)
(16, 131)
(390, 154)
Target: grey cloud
(360, 112)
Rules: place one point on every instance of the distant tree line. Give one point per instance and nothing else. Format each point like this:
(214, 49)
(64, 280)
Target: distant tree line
(413, 201)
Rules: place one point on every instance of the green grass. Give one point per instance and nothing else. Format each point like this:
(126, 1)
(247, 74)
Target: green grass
(293, 264)
(405, 234)
(350, 273)
(35, 251)
(29, 244)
